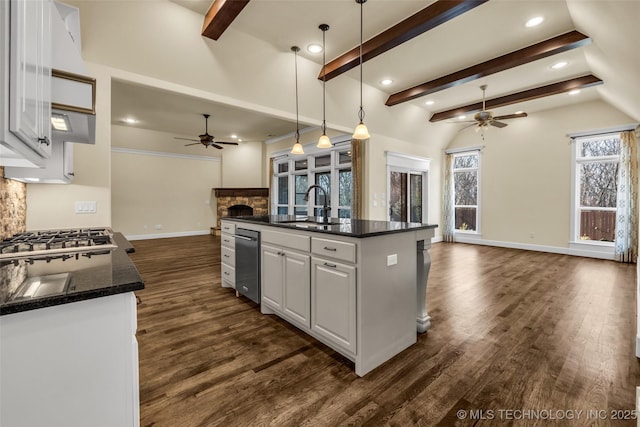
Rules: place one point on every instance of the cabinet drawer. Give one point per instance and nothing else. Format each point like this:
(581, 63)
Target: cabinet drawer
(228, 256)
(229, 275)
(228, 240)
(293, 241)
(334, 248)
(228, 227)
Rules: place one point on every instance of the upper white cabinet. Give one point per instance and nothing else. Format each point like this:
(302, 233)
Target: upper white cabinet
(25, 54)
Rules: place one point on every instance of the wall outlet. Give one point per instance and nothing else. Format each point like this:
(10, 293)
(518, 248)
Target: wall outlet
(532, 235)
(392, 259)
(158, 226)
(86, 207)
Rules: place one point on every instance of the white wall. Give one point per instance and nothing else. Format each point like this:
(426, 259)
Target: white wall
(160, 194)
(526, 173)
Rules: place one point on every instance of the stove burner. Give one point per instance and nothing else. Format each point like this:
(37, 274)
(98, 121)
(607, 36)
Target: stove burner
(56, 241)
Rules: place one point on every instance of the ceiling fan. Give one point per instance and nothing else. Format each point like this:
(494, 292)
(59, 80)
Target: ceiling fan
(483, 119)
(206, 139)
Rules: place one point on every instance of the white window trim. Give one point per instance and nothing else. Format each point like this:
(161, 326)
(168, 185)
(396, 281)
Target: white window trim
(477, 233)
(340, 143)
(409, 164)
(574, 242)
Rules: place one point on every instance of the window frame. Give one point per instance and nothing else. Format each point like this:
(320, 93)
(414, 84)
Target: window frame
(411, 165)
(333, 168)
(576, 160)
(463, 153)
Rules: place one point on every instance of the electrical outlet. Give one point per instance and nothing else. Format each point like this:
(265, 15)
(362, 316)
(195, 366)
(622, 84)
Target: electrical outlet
(86, 207)
(532, 235)
(158, 226)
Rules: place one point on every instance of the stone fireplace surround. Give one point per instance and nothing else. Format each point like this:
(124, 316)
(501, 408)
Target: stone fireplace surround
(256, 198)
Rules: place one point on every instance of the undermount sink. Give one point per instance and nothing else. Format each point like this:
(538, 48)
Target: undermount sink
(309, 222)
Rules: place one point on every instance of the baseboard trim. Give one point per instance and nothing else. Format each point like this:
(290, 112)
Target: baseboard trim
(167, 235)
(436, 239)
(537, 248)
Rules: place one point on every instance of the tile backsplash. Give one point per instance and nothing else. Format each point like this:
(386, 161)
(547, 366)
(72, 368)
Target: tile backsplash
(13, 206)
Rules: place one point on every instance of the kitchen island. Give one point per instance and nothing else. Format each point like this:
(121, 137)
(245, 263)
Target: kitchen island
(358, 286)
(68, 353)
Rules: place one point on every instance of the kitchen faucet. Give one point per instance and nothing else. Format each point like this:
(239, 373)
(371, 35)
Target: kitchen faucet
(325, 208)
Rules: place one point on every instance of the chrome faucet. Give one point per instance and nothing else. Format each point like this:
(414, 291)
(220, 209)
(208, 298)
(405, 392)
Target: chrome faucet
(325, 209)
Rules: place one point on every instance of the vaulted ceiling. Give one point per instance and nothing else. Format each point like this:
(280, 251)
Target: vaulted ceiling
(442, 51)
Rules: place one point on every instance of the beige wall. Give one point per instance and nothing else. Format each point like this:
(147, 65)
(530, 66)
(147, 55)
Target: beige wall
(242, 166)
(526, 172)
(52, 205)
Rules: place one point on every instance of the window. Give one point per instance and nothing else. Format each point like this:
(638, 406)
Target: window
(407, 183)
(595, 188)
(331, 171)
(466, 167)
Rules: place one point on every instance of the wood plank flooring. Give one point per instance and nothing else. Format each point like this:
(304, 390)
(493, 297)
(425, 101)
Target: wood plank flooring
(511, 331)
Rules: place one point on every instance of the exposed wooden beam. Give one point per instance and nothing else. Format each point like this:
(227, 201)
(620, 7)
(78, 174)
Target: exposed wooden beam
(558, 44)
(527, 95)
(431, 16)
(220, 15)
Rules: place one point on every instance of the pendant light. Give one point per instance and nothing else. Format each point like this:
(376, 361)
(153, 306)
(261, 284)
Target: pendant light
(297, 147)
(324, 141)
(361, 131)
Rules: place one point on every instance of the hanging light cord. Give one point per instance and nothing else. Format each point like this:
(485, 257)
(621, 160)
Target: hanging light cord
(361, 112)
(324, 83)
(295, 50)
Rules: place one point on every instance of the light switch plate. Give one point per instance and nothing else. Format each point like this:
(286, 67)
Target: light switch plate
(392, 259)
(86, 207)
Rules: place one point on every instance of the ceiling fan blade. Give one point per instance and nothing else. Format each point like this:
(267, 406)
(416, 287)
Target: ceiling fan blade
(195, 143)
(217, 146)
(186, 139)
(510, 116)
(498, 124)
(228, 143)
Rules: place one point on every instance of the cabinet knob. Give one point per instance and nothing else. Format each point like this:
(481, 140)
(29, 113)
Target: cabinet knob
(327, 248)
(71, 174)
(44, 140)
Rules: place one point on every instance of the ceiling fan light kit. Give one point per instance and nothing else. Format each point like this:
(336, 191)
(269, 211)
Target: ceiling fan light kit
(361, 132)
(324, 141)
(297, 147)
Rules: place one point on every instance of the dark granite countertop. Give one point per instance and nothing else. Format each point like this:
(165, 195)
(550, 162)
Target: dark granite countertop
(344, 227)
(100, 275)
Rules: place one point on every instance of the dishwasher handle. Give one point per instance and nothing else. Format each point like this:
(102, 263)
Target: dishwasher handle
(251, 239)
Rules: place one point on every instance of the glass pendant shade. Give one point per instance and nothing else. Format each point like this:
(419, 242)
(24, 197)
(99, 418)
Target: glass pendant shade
(324, 142)
(361, 132)
(297, 149)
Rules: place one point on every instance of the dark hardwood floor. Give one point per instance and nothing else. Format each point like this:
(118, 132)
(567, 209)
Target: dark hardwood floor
(511, 331)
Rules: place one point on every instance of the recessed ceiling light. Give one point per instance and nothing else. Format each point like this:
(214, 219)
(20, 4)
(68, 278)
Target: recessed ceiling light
(234, 136)
(559, 65)
(534, 21)
(386, 82)
(239, 140)
(314, 48)
(574, 92)
(519, 112)
(430, 102)
(462, 117)
(129, 120)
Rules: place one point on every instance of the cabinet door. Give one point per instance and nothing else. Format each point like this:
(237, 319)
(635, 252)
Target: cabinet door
(333, 302)
(30, 76)
(297, 287)
(272, 276)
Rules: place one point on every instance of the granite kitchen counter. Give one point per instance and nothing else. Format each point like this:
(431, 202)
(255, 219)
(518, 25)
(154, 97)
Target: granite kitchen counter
(359, 228)
(82, 277)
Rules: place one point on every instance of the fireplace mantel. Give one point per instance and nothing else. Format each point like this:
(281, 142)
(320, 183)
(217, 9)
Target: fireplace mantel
(241, 192)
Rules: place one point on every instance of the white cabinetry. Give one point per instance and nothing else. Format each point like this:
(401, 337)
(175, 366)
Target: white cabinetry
(333, 302)
(71, 365)
(25, 59)
(285, 276)
(228, 255)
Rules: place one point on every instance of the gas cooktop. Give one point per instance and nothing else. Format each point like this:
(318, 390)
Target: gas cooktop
(57, 243)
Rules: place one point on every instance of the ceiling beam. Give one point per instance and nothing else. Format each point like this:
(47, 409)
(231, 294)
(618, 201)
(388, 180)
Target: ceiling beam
(431, 16)
(555, 45)
(220, 15)
(527, 95)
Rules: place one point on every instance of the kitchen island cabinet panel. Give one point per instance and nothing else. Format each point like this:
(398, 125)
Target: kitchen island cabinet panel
(272, 276)
(71, 365)
(333, 302)
(297, 287)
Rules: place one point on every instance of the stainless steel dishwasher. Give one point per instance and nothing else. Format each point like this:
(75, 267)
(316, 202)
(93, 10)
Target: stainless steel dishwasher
(248, 263)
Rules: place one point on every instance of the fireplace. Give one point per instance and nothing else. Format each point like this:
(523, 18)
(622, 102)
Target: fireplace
(241, 201)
